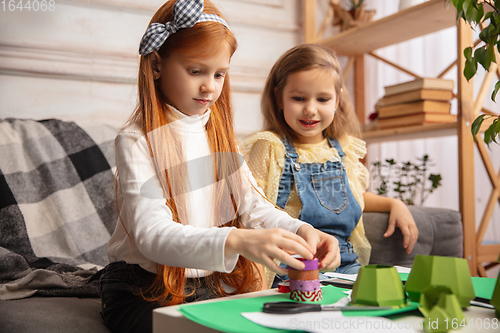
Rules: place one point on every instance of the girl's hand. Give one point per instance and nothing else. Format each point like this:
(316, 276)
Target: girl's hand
(326, 247)
(264, 245)
(401, 217)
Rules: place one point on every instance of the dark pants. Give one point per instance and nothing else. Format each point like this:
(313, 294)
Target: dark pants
(124, 309)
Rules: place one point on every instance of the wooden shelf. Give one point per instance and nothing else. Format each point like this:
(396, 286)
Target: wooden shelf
(410, 133)
(417, 21)
(427, 18)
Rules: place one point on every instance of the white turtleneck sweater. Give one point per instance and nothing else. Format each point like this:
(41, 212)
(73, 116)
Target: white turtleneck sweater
(150, 235)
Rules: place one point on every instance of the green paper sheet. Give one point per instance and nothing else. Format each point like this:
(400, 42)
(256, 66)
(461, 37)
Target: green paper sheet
(226, 315)
(483, 287)
(404, 276)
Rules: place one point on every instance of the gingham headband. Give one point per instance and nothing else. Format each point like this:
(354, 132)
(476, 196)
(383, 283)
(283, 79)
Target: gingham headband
(186, 14)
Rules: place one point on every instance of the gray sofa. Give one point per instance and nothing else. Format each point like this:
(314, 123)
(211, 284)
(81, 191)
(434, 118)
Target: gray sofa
(57, 212)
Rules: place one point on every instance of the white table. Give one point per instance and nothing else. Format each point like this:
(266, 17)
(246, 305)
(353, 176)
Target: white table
(169, 319)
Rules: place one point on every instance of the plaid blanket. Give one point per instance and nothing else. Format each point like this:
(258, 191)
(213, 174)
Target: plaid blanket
(57, 208)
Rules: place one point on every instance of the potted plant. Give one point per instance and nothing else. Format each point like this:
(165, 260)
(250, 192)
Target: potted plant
(351, 14)
(410, 182)
(487, 13)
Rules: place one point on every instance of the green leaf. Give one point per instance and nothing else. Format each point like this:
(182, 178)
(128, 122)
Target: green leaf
(435, 179)
(479, 14)
(487, 136)
(487, 16)
(488, 58)
(459, 4)
(468, 53)
(482, 57)
(494, 20)
(494, 129)
(495, 17)
(471, 14)
(495, 91)
(493, 134)
(467, 8)
(476, 126)
(490, 51)
(470, 68)
(486, 34)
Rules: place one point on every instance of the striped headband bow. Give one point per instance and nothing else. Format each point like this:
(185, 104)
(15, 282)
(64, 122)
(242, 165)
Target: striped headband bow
(186, 14)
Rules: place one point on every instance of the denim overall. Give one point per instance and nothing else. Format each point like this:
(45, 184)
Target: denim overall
(327, 200)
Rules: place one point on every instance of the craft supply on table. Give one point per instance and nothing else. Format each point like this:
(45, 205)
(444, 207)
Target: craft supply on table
(304, 284)
(284, 287)
(378, 285)
(292, 307)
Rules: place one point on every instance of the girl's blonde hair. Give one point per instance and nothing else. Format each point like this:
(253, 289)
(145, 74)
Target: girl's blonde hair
(303, 58)
(201, 40)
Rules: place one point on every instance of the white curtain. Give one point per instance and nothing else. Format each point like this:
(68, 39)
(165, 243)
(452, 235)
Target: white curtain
(429, 56)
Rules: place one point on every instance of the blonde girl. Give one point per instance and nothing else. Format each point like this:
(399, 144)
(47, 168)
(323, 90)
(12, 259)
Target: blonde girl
(192, 224)
(307, 160)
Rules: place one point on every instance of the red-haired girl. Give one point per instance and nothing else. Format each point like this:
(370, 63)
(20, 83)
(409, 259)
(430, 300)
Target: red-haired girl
(192, 224)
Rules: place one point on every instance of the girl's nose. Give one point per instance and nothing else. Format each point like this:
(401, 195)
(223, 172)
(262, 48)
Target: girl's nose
(309, 108)
(207, 86)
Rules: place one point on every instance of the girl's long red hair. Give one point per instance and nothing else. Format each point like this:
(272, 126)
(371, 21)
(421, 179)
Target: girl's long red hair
(203, 39)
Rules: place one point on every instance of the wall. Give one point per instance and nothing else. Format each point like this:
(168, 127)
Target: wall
(78, 59)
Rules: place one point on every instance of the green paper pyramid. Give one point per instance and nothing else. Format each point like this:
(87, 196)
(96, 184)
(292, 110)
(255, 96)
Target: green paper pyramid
(434, 320)
(378, 285)
(441, 310)
(431, 272)
(495, 299)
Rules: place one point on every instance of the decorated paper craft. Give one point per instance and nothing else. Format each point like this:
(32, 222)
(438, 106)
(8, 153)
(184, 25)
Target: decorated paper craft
(439, 306)
(378, 285)
(435, 271)
(304, 284)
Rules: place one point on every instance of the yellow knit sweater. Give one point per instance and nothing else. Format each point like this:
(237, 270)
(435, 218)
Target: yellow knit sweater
(265, 155)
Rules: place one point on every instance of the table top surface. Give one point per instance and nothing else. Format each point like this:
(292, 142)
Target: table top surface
(170, 319)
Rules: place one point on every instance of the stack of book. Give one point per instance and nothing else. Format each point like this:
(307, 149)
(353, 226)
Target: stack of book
(418, 102)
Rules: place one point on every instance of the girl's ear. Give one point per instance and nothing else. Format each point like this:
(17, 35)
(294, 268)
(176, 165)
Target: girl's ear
(277, 97)
(156, 65)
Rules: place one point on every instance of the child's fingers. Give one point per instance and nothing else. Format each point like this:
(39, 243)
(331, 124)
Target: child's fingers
(268, 255)
(269, 263)
(292, 243)
(412, 238)
(262, 246)
(390, 228)
(286, 243)
(331, 260)
(329, 256)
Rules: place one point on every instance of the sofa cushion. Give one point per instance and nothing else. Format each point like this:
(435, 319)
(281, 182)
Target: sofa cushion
(56, 189)
(440, 233)
(57, 207)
